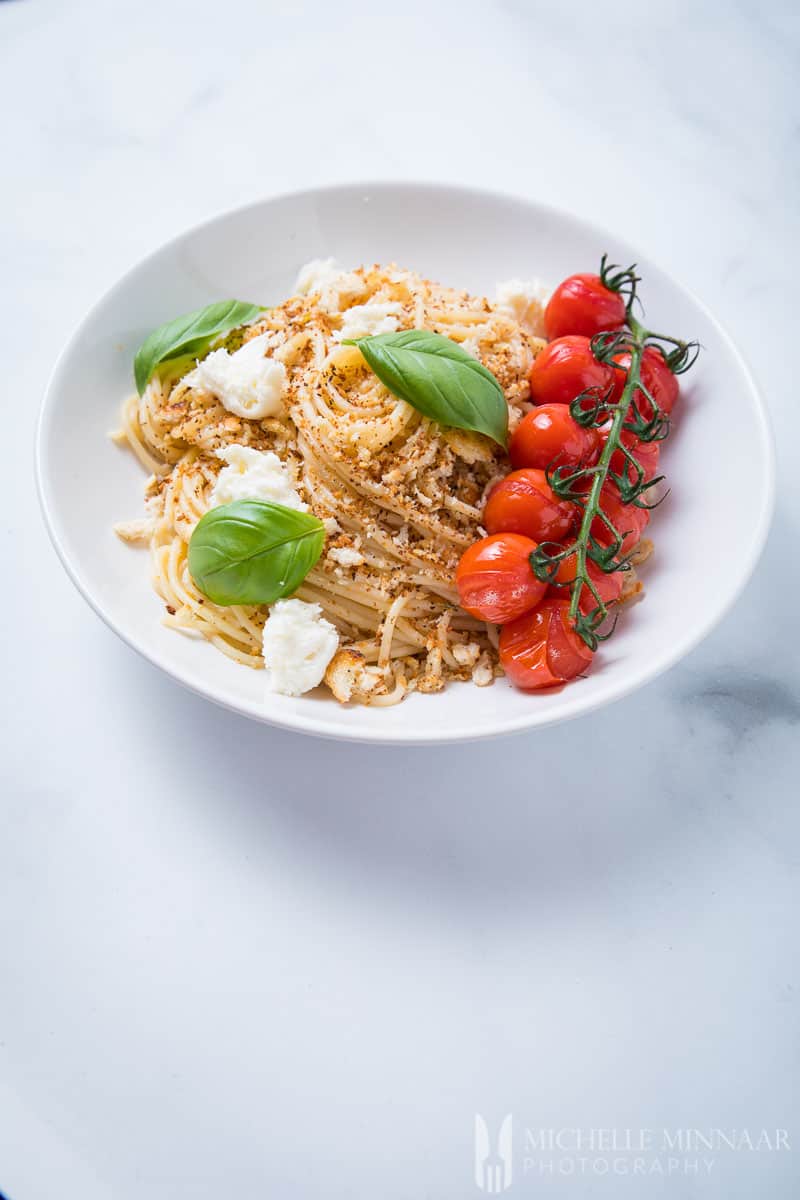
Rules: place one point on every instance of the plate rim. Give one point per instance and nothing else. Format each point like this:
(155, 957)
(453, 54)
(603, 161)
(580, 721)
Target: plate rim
(299, 723)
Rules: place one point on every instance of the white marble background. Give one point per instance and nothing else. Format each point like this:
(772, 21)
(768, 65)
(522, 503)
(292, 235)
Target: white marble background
(234, 972)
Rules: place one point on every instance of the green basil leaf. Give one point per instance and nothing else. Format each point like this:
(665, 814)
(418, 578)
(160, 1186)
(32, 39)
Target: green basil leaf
(190, 335)
(253, 551)
(439, 379)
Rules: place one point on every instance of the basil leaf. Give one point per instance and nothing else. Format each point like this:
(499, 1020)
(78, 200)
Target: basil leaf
(190, 335)
(253, 551)
(439, 379)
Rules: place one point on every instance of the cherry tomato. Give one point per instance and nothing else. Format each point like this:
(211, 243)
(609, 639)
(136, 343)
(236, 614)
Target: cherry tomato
(628, 519)
(565, 368)
(524, 502)
(541, 648)
(495, 580)
(607, 583)
(549, 436)
(646, 454)
(583, 304)
(656, 377)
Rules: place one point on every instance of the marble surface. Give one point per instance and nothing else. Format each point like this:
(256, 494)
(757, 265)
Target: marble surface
(279, 966)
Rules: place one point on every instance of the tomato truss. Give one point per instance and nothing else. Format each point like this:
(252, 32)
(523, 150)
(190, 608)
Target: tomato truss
(598, 539)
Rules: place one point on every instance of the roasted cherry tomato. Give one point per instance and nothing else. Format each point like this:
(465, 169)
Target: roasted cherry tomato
(646, 454)
(495, 580)
(607, 583)
(548, 436)
(524, 502)
(541, 649)
(583, 304)
(629, 519)
(564, 369)
(656, 377)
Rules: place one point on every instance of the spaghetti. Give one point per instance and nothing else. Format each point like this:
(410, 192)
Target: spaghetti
(400, 496)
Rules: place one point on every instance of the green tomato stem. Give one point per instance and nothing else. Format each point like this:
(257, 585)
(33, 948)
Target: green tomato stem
(639, 336)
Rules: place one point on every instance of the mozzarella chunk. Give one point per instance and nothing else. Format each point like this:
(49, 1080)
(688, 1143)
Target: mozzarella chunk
(482, 673)
(466, 655)
(254, 475)
(348, 675)
(138, 530)
(525, 301)
(298, 645)
(367, 320)
(346, 556)
(246, 382)
(324, 277)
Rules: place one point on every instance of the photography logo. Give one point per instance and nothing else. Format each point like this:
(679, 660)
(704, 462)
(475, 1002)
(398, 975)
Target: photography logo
(493, 1167)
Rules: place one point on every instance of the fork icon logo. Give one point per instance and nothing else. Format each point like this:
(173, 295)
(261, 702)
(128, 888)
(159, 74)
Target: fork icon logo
(493, 1168)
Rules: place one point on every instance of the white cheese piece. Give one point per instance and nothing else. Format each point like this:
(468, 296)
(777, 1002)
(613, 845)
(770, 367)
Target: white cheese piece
(138, 530)
(348, 673)
(346, 556)
(316, 275)
(367, 320)
(482, 673)
(141, 529)
(254, 475)
(298, 645)
(246, 382)
(525, 301)
(323, 277)
(466, 655)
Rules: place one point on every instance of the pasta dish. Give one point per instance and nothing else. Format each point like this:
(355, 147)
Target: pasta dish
(384, 484)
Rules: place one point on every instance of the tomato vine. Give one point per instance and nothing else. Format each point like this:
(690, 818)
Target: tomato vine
(635, 411)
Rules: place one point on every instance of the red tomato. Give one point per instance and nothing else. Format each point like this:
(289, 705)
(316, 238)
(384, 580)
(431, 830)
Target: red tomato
(656, 377)
(541, 649)
(646, 453)
(549, 436)
(628, 519)
(608, 584)
(564, 369)
(523, 502)
(495, 580)
(583, 304)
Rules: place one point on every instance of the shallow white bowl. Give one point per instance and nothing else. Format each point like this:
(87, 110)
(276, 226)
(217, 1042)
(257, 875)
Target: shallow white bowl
(708, 536)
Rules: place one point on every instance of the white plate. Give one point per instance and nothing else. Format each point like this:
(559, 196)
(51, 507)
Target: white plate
(708, 535)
